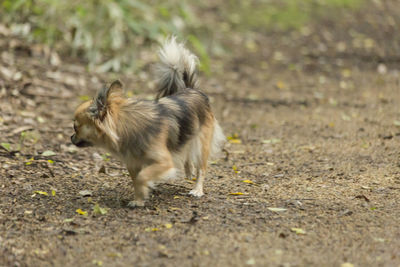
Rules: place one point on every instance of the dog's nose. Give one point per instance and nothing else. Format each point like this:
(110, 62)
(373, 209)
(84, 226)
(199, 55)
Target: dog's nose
(73, 138)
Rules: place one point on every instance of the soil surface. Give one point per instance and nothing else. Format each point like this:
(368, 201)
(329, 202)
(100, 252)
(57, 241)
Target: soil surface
(309, 177)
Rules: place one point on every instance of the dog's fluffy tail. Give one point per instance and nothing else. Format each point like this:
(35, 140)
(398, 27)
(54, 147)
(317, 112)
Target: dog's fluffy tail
(177, 69)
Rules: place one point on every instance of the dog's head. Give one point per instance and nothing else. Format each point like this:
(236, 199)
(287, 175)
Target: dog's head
(94, 119)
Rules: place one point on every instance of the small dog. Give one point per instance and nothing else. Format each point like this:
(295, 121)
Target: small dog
(155, 138)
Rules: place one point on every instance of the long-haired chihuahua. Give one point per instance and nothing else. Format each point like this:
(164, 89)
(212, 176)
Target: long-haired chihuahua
(156, 138)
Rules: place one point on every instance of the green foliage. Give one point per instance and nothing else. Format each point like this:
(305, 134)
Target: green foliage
(109, 33)
(282, 14)
(105, 32)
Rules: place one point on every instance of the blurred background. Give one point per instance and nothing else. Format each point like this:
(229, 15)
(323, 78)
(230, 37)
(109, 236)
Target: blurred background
(117, 35)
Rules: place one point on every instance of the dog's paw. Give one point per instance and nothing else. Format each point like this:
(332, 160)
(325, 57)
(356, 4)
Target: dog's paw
(136, 204)
(196, 192)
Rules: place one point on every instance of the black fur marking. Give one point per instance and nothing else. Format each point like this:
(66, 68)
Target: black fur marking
(97, 109)
(186, 116)
(185, 120)
(164, 112)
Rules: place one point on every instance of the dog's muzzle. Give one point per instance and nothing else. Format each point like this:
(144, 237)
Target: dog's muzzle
(79, 143)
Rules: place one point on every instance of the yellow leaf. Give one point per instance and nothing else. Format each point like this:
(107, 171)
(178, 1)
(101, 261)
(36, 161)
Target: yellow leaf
(176, 197)
(149, 229)
(233, 136)
(194, 179)
(248, 182)
(235, 169)
(234, 139)
(298, 231)
(29, 162)
(53, 192)
(41, 193)
(168, 225)
(81, 212)
(236, 194)
(50, 161)
(281, 85)
(98, 263)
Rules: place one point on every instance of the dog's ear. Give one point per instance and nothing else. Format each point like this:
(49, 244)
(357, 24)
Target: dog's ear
(98, 109)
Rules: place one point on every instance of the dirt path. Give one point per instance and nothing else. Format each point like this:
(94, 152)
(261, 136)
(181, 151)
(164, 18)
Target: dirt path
(322, 147)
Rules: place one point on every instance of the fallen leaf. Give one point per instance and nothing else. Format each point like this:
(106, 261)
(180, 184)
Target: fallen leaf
(48, 153)
(85, 193)
(30, 161)
(277, 209)
(50, 161)
(298, 231)
(84, 97)
(251, 261)
(346, 117)
(53, 192)
(248, 182)
(149, 229)
(99, 210)
(168, 225)
(271, 141)
(41, 193)
(114, 255)
(236, 194)
(176, 197)
(41, 119)
(281, 85)
(235, 169)
(81, 212)
(234, 139)
(6, 146)
(98, 263)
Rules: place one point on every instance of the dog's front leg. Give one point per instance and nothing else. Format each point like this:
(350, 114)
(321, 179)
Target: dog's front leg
(133, 172)
(151, 173)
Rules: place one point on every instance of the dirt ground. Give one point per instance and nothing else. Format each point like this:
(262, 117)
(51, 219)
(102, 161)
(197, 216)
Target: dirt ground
(314, 149)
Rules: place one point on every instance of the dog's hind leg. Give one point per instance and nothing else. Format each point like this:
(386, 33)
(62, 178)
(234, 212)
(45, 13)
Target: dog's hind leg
(205, 138)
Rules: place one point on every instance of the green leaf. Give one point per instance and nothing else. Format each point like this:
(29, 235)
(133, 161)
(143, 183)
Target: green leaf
(6, 146)
(99, 210)
(84, 97)
(298, 231)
